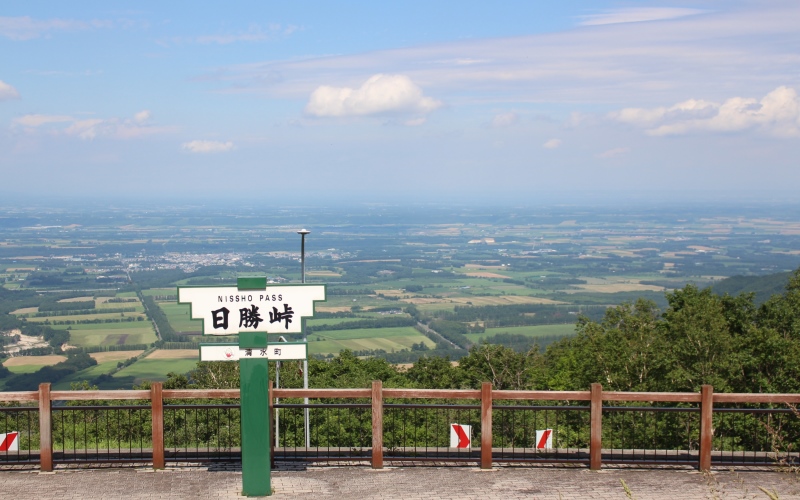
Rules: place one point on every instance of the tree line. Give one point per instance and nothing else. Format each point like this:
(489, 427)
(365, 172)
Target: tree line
(699, 338)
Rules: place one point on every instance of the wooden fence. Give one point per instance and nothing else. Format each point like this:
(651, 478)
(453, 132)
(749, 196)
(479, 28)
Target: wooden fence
(706, 399)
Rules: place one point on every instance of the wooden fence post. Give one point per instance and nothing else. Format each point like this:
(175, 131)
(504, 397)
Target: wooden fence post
(45, 429)
(157, 415)
(596, 427)
(377, 424)
(486, 425)
(706, 426)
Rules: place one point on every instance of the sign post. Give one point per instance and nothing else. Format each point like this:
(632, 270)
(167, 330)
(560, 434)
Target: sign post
(253, 309)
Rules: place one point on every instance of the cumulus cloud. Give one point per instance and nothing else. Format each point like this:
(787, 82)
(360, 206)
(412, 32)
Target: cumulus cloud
(638, 15)
(505, 120)
(207, 146)
(552, 144)
(91, 128)
(142, 116)
(609, 62)
(777, 113)
(7, 92)
(27, 28)
(380, 95)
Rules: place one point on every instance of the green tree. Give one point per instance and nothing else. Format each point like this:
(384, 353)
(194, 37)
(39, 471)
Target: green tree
(699, 346)
(435, 373)
(502, 366)
(621, 351)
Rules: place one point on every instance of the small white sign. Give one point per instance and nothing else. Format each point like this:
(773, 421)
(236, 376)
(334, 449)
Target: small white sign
(544, 439)
(273, 352)
(460, 436)
(228, 310)
(9, 441)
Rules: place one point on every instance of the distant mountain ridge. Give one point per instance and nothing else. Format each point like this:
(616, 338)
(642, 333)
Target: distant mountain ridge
(763, 286)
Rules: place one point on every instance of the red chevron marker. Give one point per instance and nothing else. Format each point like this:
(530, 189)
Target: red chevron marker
(8, 442)
(463, 438)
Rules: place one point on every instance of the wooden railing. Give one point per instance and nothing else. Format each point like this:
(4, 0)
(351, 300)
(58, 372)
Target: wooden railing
(706, 399)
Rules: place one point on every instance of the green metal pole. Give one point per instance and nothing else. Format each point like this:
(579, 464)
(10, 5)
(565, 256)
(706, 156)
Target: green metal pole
(254, 394)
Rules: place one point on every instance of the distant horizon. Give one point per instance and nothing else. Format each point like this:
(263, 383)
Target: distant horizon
(621, 199)
(587, 101)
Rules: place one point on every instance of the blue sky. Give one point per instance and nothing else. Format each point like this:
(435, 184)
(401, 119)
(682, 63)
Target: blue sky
(371, 101)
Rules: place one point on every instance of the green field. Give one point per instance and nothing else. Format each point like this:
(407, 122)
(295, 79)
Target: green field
(153, 369)
(112, 336)
(152, 292)
(388, 339)
(529, 331)
(124, 325)
(178, 317)
(16, 370)
(88, 374)
(90, 317)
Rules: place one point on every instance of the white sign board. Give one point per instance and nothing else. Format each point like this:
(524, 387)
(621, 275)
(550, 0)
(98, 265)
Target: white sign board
(9, 441)
(544, 439)
(228, 310)
(273, 352)
(460, 436)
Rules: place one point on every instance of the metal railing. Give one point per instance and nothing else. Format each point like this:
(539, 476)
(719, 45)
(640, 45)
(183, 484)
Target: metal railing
(407, 425)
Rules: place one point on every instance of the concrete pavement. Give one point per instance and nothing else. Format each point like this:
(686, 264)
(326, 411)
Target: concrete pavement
(423, 483)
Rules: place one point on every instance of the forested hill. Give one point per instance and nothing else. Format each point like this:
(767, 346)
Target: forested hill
(763, 286)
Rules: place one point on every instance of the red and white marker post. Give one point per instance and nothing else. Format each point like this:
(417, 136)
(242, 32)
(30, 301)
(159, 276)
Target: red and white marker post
(544, 439)
(460, 436)
(9, 441)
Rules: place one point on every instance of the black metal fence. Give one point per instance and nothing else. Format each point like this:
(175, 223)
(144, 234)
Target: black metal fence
(522, 430)
(747, 434)
(24, 421)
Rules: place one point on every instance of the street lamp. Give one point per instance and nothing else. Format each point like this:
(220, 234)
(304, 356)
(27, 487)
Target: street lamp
(303, 233)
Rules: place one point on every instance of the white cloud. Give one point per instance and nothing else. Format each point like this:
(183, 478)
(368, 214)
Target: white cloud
(7, 92)
(381, 94)
(415, 122)
(87, 129)
(39, 120)
(614, 153)
(91, 128)
(638, 15)
(255, 33)
(552, 144)
(207, 146)
(27, 28)
(746, 47)
(505, 120)
(142, 116)
(777, 113)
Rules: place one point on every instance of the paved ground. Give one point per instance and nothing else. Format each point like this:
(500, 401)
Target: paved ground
(424, 483)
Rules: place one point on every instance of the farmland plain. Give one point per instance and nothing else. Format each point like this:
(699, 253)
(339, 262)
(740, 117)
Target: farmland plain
(521, 271)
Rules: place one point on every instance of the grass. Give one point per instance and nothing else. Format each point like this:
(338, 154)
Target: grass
(88, 374)
(529, 331)
(20, 369)
(152, 292)
(91, 317)
(154, 370)
(124, 325)
(178, 317)
(388, 339)
(111, 336)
